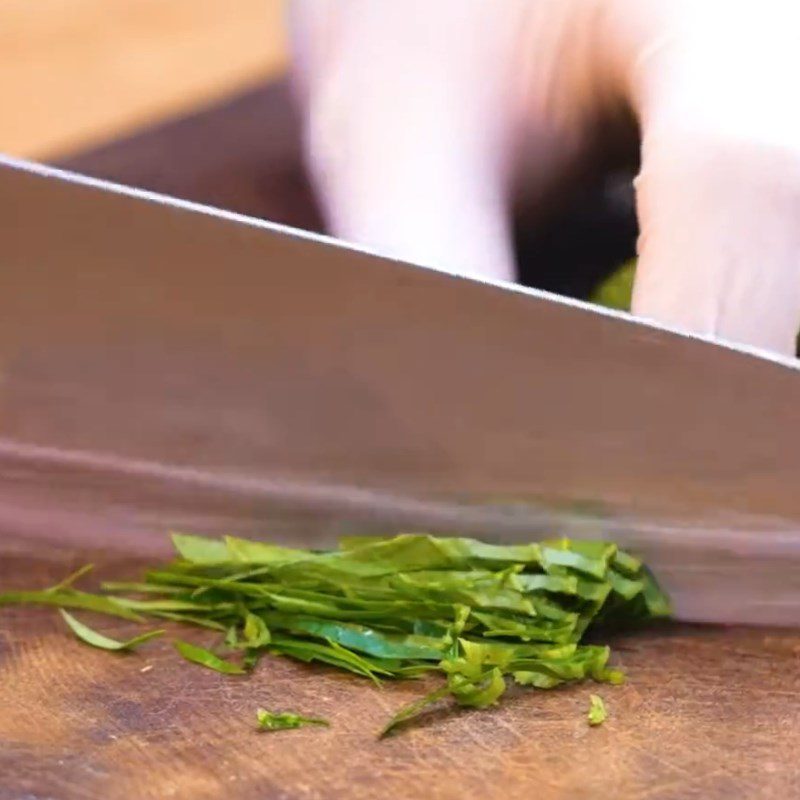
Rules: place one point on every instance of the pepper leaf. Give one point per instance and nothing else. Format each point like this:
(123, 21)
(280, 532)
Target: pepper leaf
(280, 721)
(412, 709)
(597, 710)
(199, 655)
(67, 582)
(70, 598)
(390, 607)
(95, 639)
(256, 632)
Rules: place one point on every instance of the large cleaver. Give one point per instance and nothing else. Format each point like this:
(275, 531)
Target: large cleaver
(165, 365)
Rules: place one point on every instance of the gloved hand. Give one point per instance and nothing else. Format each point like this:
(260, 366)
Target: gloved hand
(421, 114)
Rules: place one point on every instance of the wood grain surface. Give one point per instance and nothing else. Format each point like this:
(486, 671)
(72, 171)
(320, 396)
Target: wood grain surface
(707, 713)
(75, 72)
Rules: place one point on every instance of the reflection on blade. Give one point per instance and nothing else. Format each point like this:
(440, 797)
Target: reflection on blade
(168, 366)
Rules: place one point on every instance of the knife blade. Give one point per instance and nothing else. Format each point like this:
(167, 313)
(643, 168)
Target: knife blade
(167, 365)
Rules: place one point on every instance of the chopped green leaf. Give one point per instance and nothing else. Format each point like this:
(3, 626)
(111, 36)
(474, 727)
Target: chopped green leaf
(272, 721)
(484, 691)
(394, 607)
(137, 587)
(200, 549)
(541, 680)
(412, 709)
(199, 655)
(256, 632)
(188, 619)
(70, 598)
(597, 710)
(95, 639)
(72, 578)
(616, 291)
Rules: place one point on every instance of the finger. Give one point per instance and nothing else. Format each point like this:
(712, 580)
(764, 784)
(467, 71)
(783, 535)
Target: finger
(719, 190)
(407, 131)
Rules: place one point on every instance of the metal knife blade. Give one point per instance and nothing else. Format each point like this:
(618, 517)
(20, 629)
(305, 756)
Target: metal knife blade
(166, 365)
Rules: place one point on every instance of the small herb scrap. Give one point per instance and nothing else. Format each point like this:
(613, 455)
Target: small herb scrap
(597, 710)
(67, 582)
(100, 640)
(274, 721)
(617, 289)
(256, 632)
(479, 615)
(199, 655)
(413, 709)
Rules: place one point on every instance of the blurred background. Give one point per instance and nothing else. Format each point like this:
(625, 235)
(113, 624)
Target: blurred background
(189, 98)
(75, 73)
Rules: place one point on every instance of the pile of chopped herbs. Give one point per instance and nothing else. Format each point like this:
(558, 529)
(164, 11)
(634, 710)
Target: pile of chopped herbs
(480, 615)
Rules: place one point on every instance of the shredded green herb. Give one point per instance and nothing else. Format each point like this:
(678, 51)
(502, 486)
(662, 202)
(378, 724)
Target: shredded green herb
(199, 655)
(597, 710)
(95, 639)
(70, 598)
(412, 709)
(67, 582)
(272, 721)
(617, 289)
(478, 614)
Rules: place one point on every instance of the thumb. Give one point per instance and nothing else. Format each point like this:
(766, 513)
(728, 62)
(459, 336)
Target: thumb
(719, 190)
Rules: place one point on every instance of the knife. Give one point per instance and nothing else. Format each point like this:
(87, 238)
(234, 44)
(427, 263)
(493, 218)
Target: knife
(166, 365)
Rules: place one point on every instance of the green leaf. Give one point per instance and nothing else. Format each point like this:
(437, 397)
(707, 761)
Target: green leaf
(199, 655)
(232, 637)
(413, 709)
(625, 587)
(477, 613)
(561, 584)
(330, 653)
(616, 291)
(170, 604)
(419, 551)
(95, 639)
(250, 659)
(597, 710)
(139, 588)
(273, 721)
(188, 619)
(478, 694)
(567, 554)
(72, 578)
(364, 639)
(627, 564)
(249, 552)
(541, 680)
(200, 549)
(256, 632)
(658, 604)
(70, 598)
(613, 676)
(596, 591)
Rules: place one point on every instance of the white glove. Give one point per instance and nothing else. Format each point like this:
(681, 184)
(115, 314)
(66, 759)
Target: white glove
(421, 114)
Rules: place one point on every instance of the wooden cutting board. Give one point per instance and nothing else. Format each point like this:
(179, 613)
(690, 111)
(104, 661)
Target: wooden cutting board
(707, 712)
